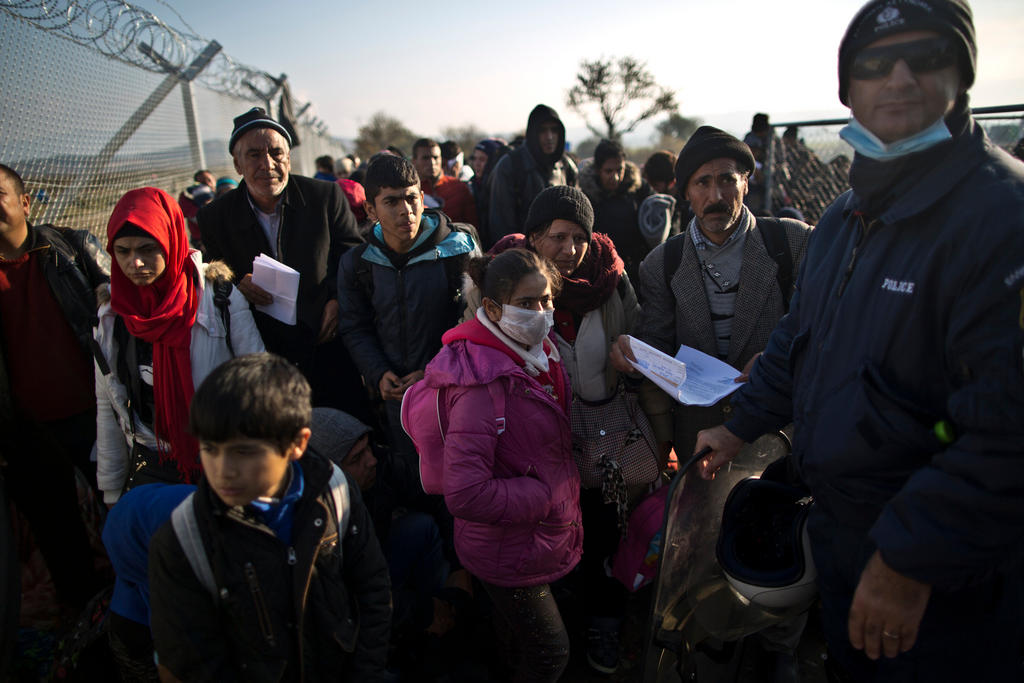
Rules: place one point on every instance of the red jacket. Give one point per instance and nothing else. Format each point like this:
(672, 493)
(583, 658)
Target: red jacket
(458, 200)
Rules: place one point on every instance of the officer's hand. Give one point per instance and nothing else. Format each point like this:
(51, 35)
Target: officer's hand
(254, 294)
(886, 610)
(724, 447)
(745, 375)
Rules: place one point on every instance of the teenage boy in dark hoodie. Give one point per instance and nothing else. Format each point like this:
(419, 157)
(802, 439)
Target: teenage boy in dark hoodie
(523, 173)
(296, 585)
(397, 294)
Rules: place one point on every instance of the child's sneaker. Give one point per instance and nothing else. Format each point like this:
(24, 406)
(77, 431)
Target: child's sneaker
(603, 644)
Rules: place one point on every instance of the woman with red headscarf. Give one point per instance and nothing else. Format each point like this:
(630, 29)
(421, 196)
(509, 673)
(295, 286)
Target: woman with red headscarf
(161, 333)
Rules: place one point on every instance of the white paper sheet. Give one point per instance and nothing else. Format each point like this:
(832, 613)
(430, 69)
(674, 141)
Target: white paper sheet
(708, 380)
(281, 282)
(660, 368)
(692, 378)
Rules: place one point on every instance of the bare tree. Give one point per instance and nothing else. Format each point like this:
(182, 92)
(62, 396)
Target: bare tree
(624, 92)
(380, 131)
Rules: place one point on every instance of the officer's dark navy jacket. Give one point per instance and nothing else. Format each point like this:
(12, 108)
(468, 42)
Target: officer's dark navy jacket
(898, 324)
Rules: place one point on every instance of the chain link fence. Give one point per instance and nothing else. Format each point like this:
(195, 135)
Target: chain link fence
(810, 164)
(100, 97)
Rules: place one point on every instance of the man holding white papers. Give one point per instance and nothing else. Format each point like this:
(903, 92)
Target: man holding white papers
(301, 222)
(719, 286)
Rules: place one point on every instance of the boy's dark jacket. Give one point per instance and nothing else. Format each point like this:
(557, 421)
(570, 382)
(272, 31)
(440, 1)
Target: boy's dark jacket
(280, 616)
(397, 324)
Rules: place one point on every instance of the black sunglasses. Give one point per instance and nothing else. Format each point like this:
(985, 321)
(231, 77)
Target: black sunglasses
(930, 54)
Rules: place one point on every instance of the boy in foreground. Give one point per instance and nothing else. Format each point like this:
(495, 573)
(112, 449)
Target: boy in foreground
(277, 598)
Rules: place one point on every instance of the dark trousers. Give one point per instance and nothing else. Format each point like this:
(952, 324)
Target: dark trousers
(531, 634)
(605, 596)
(132, 648)
(417, 567)
(972, 634)
(404, 466)
(40, 479)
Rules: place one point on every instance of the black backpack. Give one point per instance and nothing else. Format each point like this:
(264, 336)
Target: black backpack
(775, 241)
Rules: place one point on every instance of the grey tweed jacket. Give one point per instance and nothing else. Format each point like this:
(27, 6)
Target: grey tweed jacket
(681, 315)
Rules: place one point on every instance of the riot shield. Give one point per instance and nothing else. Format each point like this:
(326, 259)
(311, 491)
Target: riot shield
(696, 615)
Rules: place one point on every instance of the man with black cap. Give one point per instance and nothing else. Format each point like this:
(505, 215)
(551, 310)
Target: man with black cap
(520, 176)
(721, 285)
(901, 364)
(304, 223)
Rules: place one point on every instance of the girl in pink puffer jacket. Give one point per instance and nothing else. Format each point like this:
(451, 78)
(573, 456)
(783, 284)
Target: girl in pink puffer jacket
(514, 494)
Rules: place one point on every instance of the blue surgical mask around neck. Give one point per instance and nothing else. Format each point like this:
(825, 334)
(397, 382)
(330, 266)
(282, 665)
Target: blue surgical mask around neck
(868, 144)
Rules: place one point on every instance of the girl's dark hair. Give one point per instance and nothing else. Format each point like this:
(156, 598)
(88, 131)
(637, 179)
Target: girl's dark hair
(256, 396)
(497, 276)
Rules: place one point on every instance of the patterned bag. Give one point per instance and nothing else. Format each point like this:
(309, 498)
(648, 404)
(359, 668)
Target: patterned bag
(613, 442)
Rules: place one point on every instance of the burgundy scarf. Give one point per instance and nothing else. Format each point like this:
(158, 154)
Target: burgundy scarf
(593, 281)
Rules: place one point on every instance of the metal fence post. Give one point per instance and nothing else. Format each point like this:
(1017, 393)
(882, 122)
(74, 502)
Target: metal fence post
(195, 140)
(138, 117)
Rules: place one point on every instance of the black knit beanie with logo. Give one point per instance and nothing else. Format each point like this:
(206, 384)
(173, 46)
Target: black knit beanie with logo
(881, 18)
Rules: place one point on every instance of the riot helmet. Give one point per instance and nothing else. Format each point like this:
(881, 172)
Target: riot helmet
(763, 548)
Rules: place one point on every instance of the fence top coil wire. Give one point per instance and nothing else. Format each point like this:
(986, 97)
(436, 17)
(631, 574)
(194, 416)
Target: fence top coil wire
(118, 29)
(98, 100)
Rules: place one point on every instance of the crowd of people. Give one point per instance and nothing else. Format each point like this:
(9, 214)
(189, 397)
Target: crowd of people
(400, 484)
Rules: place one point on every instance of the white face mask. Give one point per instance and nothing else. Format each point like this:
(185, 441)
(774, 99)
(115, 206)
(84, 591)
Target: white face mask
(524, 325)
(868, 144)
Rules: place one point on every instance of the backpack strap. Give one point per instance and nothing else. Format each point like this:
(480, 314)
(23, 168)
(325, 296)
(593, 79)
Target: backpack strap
(222, 300)
(773, 232)
(363, 274)
(673, 254)
(186, 528)
(340, 496)
(127, 364)
(570, 171)
(99, 357)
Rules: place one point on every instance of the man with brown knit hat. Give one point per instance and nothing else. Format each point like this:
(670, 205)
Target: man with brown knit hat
(719, 286)
(900, 363)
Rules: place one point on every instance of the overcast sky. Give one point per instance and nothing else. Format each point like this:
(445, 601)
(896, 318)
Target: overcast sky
(460, 61)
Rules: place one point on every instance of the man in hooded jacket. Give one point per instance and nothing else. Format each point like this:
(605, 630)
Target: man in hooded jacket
(521, 175)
